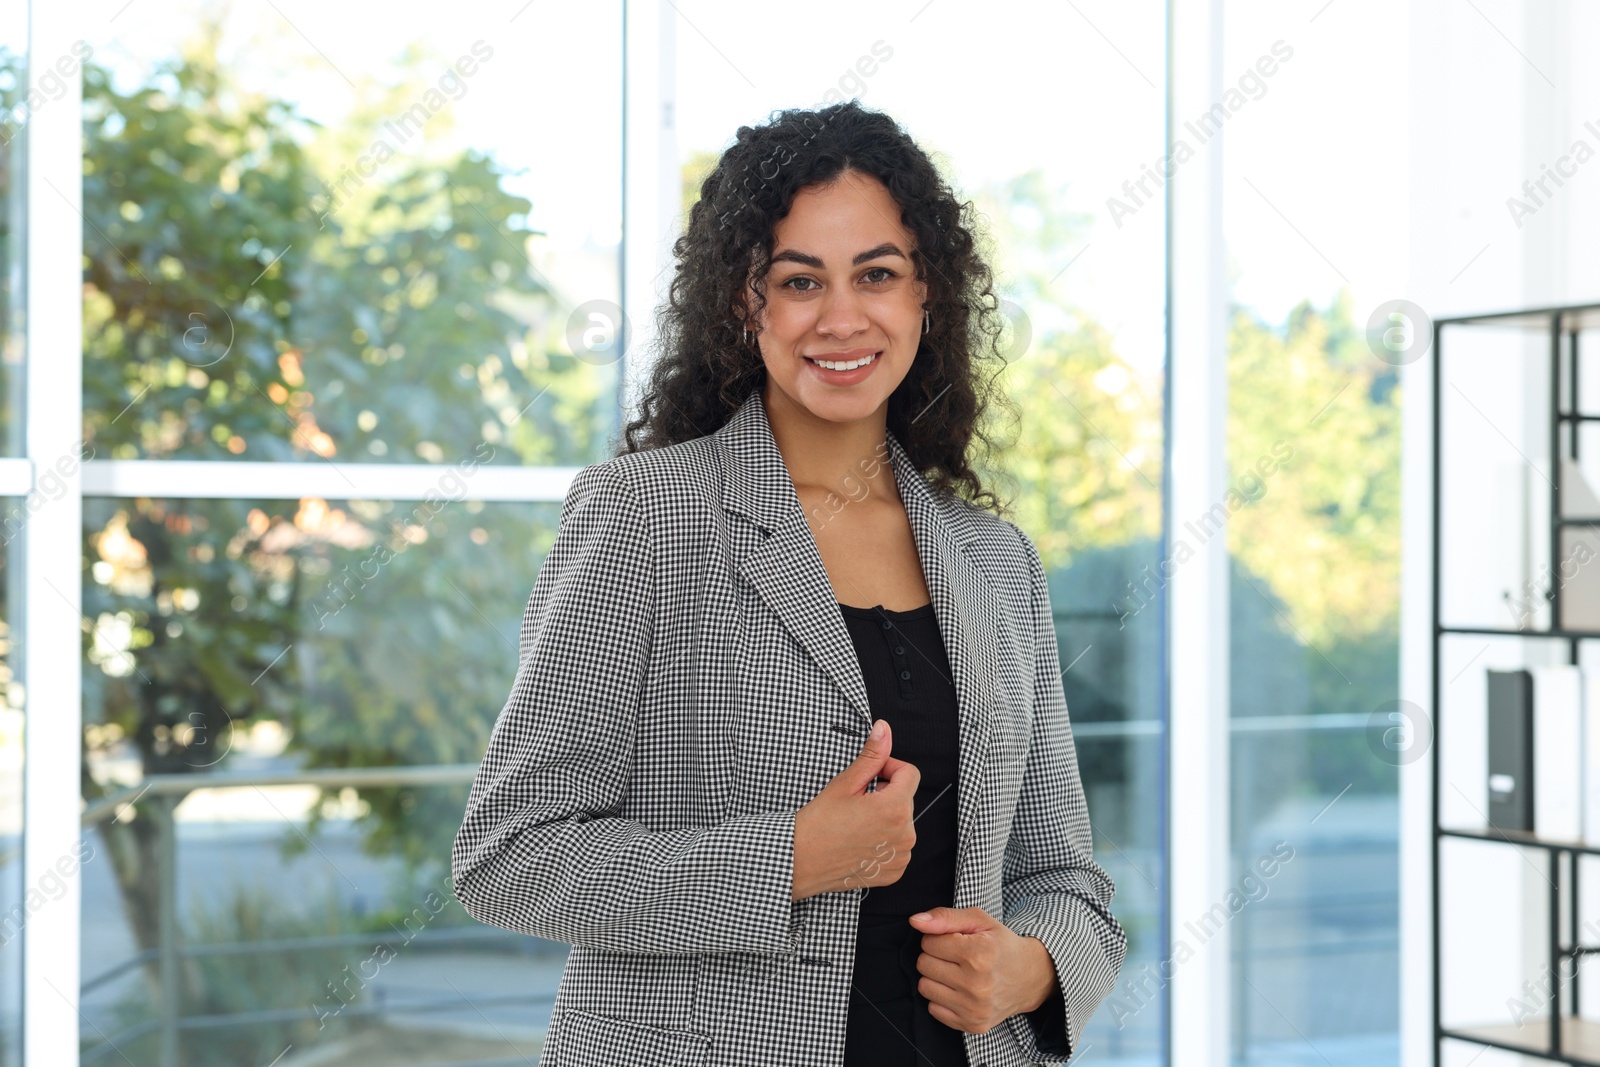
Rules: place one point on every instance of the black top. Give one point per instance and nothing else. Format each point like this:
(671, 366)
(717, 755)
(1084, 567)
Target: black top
(909, 684)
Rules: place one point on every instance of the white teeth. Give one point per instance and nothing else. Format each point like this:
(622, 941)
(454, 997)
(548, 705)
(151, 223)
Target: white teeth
(845, 366)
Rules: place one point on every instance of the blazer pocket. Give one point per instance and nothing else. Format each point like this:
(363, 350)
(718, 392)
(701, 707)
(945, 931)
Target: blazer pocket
(579, 1038)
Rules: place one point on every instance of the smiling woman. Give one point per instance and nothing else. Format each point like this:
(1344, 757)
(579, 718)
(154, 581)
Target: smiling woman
(728, 723)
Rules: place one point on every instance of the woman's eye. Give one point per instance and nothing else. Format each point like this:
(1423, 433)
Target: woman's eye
(886, 276)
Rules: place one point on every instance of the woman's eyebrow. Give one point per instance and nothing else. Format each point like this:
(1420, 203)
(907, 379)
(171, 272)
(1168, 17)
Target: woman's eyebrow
(791, 256)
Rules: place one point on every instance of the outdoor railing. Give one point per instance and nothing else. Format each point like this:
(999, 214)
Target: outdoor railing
(168, 791)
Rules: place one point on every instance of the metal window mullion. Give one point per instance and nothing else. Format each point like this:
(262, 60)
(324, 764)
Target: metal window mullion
(651, 181)
(16, 478)
(49, 613)
(236, 480)
(1199, 988)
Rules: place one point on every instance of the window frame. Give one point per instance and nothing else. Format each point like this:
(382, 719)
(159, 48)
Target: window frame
(1194, 836)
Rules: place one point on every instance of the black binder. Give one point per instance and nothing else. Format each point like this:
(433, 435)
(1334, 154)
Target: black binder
(1511, 750)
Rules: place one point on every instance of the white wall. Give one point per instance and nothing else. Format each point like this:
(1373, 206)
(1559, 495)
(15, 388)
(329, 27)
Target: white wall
(1499, 91)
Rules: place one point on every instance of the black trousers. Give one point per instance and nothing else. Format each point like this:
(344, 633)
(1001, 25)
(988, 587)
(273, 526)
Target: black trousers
(889, 1023)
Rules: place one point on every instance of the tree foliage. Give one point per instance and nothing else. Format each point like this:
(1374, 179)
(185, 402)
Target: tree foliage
(1324, 532)
(231, 315)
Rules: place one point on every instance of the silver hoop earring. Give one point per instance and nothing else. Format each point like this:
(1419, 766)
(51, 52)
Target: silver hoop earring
(927, 320)
(746, 330)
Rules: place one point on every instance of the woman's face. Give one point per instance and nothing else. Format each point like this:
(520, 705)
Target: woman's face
(842, 289)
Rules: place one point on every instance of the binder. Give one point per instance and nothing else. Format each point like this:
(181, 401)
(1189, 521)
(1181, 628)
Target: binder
(1511, 750)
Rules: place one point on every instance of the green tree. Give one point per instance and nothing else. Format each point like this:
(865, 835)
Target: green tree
(234, 309)
(1322, 533)
(1326, 530)
(1314, 545)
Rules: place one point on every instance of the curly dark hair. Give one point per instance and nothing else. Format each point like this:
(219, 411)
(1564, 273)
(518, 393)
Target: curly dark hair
(705, 370)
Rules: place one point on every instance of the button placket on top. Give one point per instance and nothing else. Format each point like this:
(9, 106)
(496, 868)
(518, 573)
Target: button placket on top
(902, 661)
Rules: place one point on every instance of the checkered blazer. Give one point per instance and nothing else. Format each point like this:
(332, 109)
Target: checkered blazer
(686, 683)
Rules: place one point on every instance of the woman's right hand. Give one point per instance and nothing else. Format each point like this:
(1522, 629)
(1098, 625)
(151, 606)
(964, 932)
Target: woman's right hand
(847, 837)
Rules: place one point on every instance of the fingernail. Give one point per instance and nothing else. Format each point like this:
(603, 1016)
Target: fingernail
(921, 915)
(877, 730)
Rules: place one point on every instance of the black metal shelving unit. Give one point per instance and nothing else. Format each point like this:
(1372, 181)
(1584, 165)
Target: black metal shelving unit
(1563, 1037)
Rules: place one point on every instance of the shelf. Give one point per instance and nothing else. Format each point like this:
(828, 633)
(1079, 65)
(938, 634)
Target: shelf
(1573, 317)
(1580, 1038)
(1501, 631)
(1514, 837)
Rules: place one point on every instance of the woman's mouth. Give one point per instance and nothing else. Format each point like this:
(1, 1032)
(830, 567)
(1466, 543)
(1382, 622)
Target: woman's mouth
(845, 368)
(836, 364)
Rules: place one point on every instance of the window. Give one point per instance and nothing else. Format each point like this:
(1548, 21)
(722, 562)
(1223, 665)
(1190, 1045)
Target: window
(1311, 515)
(351, 320)
(350, 298)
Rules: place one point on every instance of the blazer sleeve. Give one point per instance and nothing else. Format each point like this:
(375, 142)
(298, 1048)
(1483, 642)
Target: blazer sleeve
(1051, 887)
(541, 849)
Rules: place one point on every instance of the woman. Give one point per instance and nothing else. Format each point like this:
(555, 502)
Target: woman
(686, 784)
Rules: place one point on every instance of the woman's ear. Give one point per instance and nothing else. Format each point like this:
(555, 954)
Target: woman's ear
(919, 287)
(742, 315)
(745, 301)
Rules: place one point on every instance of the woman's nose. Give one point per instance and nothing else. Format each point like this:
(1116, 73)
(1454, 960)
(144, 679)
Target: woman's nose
(841, 314)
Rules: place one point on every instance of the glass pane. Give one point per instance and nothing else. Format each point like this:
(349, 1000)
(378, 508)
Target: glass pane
(315, 235)
(16, 108)
(1083, 290)
(15, 907)
(264, 643)
(15, 111)
(1312, 521)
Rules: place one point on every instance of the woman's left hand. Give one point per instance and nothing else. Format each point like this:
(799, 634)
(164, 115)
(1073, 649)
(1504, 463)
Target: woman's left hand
(976, 972)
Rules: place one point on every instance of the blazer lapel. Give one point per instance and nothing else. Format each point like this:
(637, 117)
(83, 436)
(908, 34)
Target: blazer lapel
(786, 570)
